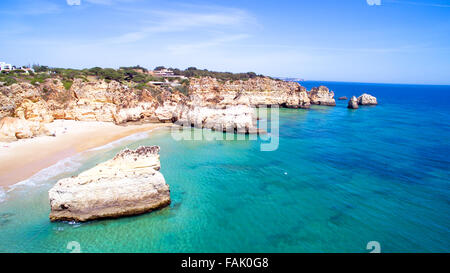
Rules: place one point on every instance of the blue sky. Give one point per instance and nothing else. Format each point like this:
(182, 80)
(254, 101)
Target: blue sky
(337, 40)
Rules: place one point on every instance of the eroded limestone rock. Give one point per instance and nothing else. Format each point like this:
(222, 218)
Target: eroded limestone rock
(353, 103)
(366, 99)
(322, 96)
(128, 184)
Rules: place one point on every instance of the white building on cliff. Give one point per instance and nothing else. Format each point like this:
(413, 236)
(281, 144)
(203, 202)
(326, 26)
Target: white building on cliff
(5, 66)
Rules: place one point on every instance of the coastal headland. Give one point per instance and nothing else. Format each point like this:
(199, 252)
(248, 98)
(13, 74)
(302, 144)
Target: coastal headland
(54, 113)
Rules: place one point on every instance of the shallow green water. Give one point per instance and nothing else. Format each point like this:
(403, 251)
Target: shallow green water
(339, 179)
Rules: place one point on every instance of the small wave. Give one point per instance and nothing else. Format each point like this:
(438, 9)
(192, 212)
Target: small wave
(70, 164)
(130, 138)
(2, 194)
(66, 165)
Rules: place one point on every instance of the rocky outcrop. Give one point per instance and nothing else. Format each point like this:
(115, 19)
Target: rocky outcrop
(84, 101)
(170, 106)
(210, 103)
(322, 96)
(343, 98)
(128, 184)
(15, 128)
(229, 105)
(12, 96)
(232, 118)
(35, 110)
(366, 99)
(353, 103)
(109, 102)
(253, 92)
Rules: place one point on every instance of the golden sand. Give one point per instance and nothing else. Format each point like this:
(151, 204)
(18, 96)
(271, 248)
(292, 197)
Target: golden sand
(22, 159)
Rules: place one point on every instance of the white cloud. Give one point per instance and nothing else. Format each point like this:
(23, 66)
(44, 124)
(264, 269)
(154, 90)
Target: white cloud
(185, 48)
(73, 2)
(228, 20)
(374, 2)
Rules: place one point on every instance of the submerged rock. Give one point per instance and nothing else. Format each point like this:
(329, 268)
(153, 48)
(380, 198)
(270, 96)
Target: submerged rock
(353, 103)
(366, 99)
(128, 184)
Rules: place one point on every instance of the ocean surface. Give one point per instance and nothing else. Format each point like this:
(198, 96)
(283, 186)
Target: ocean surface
(338, 180)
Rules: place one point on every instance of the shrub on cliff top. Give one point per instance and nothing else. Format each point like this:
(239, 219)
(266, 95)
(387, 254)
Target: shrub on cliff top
(8, 80)
(40, 68)
(39, 78)
(224, 76)
(67, 84)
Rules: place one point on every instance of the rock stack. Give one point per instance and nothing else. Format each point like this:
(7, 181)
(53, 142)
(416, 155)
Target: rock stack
(366, 99)
(353, 103)
(128, 184)
(322, 96)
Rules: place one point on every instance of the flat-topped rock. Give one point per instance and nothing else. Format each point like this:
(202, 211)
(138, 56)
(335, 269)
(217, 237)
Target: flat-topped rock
(128, 184)
(343, 98)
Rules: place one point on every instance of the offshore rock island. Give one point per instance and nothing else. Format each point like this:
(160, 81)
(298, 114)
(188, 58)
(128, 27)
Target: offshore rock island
(128, 184)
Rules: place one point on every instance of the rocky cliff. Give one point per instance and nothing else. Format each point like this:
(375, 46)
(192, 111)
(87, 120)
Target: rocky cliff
(211, 103)
(128, 184)
(86, 101)
(253, 92)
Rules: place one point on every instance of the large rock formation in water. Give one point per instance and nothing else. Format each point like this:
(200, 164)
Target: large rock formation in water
(353, 103)
(322, 96)
(128, 184)
(366, 99)
(229, 105)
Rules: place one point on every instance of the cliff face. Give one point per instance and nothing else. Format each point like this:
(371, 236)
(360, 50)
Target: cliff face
(253, 92)
(227, 106)
(86, 101)
(214, 104)
(128, 184)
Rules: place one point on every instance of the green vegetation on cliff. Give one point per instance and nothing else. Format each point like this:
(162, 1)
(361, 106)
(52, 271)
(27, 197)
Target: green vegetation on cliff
(136, 76)
(223, 76)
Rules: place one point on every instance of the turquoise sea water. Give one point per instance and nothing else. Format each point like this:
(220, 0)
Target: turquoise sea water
(339, 179)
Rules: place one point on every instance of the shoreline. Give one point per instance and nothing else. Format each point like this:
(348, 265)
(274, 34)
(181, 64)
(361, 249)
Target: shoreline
(21, 159)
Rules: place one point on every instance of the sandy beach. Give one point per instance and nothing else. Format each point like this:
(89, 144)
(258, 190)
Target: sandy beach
(22, 159)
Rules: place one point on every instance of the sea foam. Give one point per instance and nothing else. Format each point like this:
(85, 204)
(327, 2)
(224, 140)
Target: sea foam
(2, 194)
(70, 164)
(130, 138)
